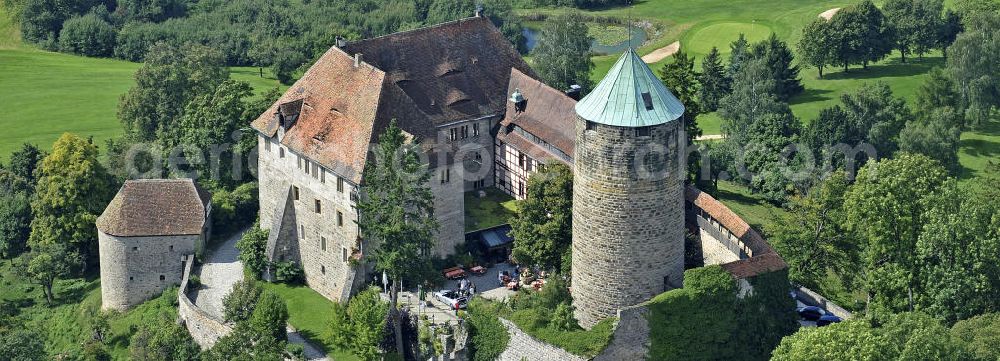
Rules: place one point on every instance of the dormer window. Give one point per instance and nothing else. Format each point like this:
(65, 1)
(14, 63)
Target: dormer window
(647, 100)
(518, 99)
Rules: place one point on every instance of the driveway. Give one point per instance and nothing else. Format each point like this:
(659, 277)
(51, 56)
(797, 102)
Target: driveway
(221, 270)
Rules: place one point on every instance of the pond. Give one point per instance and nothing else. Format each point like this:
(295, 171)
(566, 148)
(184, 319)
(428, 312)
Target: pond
(639, 36)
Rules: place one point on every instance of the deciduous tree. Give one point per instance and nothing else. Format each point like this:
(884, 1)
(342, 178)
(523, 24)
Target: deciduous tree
(562, 55)
(543, 227)
(972, 65)
(935, 135)
(163, 340)
(360, 326)
(49, 262)
(817, 45)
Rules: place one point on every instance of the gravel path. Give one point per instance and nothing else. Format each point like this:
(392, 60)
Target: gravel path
(221, 270)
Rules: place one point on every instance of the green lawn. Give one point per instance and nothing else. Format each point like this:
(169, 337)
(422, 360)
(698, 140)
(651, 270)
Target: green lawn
(309, 313)
(45, 94)
(493, 210)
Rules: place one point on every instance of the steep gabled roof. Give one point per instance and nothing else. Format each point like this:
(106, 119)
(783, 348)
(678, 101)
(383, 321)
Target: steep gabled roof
(336, 104)
(630, 96)
(155, 207)
(547, 114)
(423, 78)
(449, 72)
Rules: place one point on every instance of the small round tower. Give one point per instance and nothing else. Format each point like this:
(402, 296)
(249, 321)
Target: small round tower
(628, 192)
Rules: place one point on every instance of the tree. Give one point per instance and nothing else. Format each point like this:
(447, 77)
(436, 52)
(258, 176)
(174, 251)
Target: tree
(917, 24)
(848, 28)
(163, 340)
(812, 238)
(397, 215)
(958, 250)
(253, 250)
(951, 26)
(88, 35)
(47, 263)
(875, 116)
(24, 161)
(543, 227)
(562, 55)
(752, 97)
(360, 326)
(817, 44)
(238, 305)
(876, 40)
(937, 90)
(906, 336)
(73, 188)
(713, 81)
(15, 224)
(935, 135)
(211, 120)
(739, 55)
(243, 343)
(679, 76)
(778, 57)
(151, 11)
(270, 316)
(886, 208)
(166, 82)
(978, 335)
(22, 344)
(972, 65)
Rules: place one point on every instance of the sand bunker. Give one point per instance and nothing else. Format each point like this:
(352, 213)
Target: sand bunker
(662, 53)
(829, 13)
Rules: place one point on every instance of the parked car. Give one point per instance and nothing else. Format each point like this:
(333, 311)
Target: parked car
(827, 319)
(451, 298)
(810, 313)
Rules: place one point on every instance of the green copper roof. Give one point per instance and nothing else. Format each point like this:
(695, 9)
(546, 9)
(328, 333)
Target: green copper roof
(630, 96)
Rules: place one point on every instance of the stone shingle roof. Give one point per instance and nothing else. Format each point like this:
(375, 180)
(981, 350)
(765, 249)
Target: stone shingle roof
(422, 78)
(155, 207)
(762, 258)
(547, 114)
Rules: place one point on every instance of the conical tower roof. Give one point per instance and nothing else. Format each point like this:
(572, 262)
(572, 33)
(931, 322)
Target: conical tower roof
(630, 96)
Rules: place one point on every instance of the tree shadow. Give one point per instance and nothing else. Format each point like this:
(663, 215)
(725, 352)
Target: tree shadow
(892, 68)
(811, 95)
(980, 147)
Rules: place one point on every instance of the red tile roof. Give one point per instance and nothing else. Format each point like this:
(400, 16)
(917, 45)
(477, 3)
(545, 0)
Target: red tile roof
(422, 78)
(155, 207)
(548, 114)
(762, 259)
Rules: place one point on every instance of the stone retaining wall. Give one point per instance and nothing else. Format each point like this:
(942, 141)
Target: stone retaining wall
(524, 347)
(812, 298)
(204, 328)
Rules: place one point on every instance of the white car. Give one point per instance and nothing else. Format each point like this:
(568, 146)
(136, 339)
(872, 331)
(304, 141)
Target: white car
(452, 299)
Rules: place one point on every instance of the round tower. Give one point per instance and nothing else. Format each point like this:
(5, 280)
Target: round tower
(628, 193)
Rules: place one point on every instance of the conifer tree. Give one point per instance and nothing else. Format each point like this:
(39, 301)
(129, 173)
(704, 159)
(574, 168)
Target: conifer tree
(713, 81)
(679, 76)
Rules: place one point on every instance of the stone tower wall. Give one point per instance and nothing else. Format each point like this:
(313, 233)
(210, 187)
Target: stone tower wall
(628, 217)
(131, 267)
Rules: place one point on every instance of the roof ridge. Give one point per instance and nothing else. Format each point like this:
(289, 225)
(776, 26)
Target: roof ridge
(422, 28)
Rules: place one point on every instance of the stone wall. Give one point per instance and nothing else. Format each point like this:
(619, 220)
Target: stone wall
(204, 329)
(628, 217)
(812, 298)
(449, 208)
(135, 269)
(524, 347)
(630, 340)
(322, 216)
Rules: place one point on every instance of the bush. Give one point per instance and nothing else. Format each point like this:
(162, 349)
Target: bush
(88, 35)
(234, 210)
(134, 40)
(288, 272)
(488, 336)
(253, 250)
(194, 282)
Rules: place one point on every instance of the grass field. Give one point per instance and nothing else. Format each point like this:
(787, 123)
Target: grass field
(309, 313)
(45, 94)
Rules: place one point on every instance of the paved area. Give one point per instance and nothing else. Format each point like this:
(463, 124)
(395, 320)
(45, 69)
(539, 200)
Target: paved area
(221, 270)
(487, 286)
(662, 53)
(829, 13)
(710, 137)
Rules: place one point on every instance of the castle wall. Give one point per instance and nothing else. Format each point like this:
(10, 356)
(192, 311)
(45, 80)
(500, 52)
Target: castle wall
(327, 269)
(449, 207)
(135, 269)
(524, 347)
(628, 217)
(204, 329)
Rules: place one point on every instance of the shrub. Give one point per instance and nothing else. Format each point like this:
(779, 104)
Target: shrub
(288, 272)
(194, 282)
(234, 210)
(253, 250)
(239, 304)
(489, 337)
(134, 40)
(87, 35)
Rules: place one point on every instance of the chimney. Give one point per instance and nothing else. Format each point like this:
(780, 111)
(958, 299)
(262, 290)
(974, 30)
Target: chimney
(341, 42)
(357, 60)
(574, 91)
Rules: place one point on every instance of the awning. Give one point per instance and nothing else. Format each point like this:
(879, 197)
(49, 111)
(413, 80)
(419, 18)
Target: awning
(496, 237)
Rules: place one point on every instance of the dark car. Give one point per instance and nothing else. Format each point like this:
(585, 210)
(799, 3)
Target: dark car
(810, 313)
(827, 319)
(451, 298)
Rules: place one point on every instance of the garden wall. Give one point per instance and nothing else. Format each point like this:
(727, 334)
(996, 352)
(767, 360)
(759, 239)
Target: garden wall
(204, 329)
